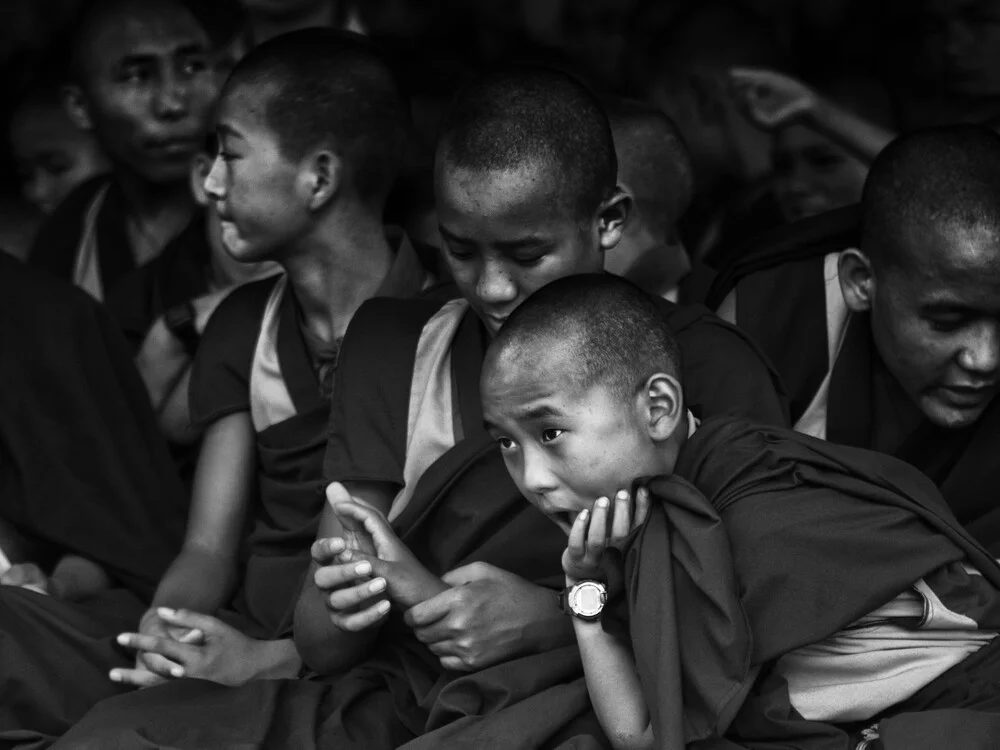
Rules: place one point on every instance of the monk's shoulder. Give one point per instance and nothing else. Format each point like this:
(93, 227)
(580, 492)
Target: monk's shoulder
(384, 322)
(54, 246)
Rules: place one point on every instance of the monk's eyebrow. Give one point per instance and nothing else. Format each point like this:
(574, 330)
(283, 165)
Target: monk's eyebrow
(448, 234)
(543, 411)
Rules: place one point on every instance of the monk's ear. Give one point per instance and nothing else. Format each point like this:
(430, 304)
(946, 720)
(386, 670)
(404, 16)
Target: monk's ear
(857, 282)
(77, 108)
(663, 406)
(321, 178)
(613, 216)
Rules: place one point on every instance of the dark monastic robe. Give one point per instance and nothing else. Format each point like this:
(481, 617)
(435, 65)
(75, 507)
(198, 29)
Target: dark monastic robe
(786, 296)
(790, 592)
(83, 470)
(92, 221)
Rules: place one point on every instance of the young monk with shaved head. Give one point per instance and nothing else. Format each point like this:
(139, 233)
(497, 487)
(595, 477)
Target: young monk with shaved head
(891, 340)
(887, 631)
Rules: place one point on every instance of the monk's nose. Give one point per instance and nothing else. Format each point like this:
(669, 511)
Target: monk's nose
(495, 284)
(981, 354)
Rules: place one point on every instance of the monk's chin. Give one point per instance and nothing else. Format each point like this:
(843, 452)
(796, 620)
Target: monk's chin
(950, 416)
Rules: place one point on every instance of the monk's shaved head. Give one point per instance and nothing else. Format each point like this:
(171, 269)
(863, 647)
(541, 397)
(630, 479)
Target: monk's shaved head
(653, 162)
(604, 329)
(534, 117)
(946, 179)
(334, 89)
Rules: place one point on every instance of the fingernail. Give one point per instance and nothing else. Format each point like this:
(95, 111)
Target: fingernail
(363, 569)
(123, 639)
(377, 585)
(383, 607)
(602, 502)
(623, 494)
(114, 675)
(165, 612)
(177, 672)
(584, 513)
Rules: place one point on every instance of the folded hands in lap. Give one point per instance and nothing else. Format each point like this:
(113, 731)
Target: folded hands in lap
(179, 643)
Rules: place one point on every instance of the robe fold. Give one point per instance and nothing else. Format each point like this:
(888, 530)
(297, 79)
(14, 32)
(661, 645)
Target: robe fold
(786, 295)
(83, 470)
(788, 592)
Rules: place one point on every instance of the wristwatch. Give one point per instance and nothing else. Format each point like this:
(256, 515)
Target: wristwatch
(584, 600)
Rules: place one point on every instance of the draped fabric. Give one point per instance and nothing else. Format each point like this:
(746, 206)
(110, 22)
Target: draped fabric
(83, 470)
(811, 537)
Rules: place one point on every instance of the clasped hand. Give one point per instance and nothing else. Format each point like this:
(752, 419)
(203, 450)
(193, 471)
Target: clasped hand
(367, 569)
(179, 643)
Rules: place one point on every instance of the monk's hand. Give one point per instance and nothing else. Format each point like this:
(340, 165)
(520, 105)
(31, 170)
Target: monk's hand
(605, 525)
(354, 600)
(151, 667)
(488, 616)
(223, 655)
(407, 582)
(772, 100)
(356, 537)
(26, 576)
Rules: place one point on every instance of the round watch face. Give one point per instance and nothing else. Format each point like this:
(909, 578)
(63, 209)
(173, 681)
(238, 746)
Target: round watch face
(587, 599)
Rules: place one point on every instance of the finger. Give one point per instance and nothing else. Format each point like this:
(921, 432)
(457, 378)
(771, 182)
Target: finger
(621, 519)
(194, 635)
(185, 618)
(455, 664)
(334, 576)
(372, 521)
(362, 620)
(435, 634)
(350, 598)
(139, 678)
(597, 534)
(325, 551)
(577, 541)
(168, 647)
(642, 505)
(433, 610)
(161, 665)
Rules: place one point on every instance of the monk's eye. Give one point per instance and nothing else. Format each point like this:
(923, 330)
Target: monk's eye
(505, 443)
(549, 435)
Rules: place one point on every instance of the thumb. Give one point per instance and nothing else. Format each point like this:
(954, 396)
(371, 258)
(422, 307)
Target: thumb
(337, 493)
(373, 522)
(185, 618)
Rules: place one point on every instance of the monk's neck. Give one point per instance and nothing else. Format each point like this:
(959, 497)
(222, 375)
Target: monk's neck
(264, 27)
(154, 214)
(333, 274)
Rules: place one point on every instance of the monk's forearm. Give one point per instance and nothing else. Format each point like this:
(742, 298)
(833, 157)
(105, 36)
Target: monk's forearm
(278, 660)
(614, 688)
(853, 132)
(197, 580)
(75, 578)
(324, 647)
